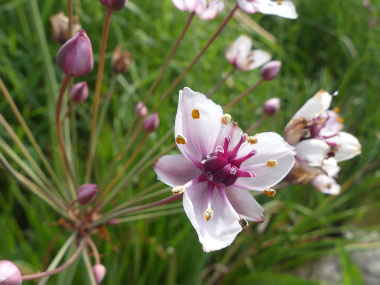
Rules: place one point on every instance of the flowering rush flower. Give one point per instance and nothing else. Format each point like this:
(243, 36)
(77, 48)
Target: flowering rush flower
(205, 9)
(240, 55)
(320, 144)
(217, 167)
(280, 8)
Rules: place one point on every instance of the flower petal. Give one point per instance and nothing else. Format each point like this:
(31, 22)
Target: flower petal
(198, 119)
(247, 6)
(270, 146)
(218, 232)
(330, 166)
(284, 9)
(186, 5)
(245, 205)
(332, 124)
(238, 52)
(210, 10)
(175, 170)
(312, 152)
(326, 184)
(257, 58)
(348, 146)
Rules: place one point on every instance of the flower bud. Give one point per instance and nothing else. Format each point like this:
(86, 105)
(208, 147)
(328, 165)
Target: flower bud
(151, 123)
(9, 273)
(270, 70)
(75, 56)
(60, 27)
(271, 106)
(86, 193)
(141, 110)
(99, 272)
(121, 60)
(113, 4)
(79, 92)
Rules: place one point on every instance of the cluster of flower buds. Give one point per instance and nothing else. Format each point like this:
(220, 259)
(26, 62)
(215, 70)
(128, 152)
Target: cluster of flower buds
(141, 110)
(75, 57)
(9, 273)
(320, 144)
(121, 60)
(60, 27)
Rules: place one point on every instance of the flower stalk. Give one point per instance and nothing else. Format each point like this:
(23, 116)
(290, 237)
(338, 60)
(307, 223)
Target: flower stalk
(242, 95)
(221, 82)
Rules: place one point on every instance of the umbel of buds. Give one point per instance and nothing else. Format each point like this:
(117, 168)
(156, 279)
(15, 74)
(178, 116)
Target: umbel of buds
(151, 123)
(121, 60)
(141, 110)
(60, 27)
(86, 193)
(75, 56)
(271, 106)
(99, 272)
(9, 273)
(79, 92)
(270, 70)
(113, 4)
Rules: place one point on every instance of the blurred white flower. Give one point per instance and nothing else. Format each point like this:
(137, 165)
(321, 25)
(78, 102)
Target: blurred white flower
(280, 8)
(206, 10)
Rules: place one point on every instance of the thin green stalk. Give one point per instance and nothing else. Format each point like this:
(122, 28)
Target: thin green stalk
(57, 259)
(70, 16)
(257, 124)
(98, 87)
(88, 265)
(149, 216)
(195, 60)
(30, 185)
(221, 82)
(28, 132)
(172, 53)
(242, 95)
(105, 106)
(49, 192)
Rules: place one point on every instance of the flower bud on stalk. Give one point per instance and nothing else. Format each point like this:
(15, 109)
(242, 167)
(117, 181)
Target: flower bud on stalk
(271, 106)
(270, 70)
(79, 92)
(141, 110)
(151, 123)
(115, 5)
(60, 27)
(86, 193)
(75, 56)
(9, 273)
(100, 272)
(121, 60)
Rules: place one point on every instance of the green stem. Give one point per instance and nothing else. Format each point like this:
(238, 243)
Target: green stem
(98, 87)
(221, 82)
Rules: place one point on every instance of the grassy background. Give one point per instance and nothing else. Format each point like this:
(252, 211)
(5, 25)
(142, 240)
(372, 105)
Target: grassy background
(333, 45)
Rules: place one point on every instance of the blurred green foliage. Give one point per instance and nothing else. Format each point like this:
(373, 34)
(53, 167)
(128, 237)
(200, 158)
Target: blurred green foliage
(333, 45)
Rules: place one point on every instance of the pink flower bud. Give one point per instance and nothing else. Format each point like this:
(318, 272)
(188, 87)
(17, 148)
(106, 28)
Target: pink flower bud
(9, 273)
(114, 221)
(75, 56)
(79, 92)
(100, 272)
(151, 123)
(270, 70)
(86, 193)
(141, 110)
(113, 4)
(271, 106)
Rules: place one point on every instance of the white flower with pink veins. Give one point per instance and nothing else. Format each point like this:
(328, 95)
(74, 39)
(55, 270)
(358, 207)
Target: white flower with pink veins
(205, 9)
(217, 167)
(241, 55)
(320, 144)
(280, 8)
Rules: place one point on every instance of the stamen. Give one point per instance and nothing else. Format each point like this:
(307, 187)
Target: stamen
(226, 119)
(340, 119)
(243, 222)
(178, 190)
(252, 139)
(305, 133)
(227, 140)
(270, 192)
(279, 2)
(271, 162)
(208, 214)
(195, 114)
(180, 139)
(249, 174)
(336, 109)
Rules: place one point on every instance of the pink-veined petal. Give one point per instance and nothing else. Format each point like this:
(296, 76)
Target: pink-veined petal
(198, 119)
(326, 184)
(348, 146)
(175, 170)
(245, 205)
(220, 231)
(332, 124)
(269, 146)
